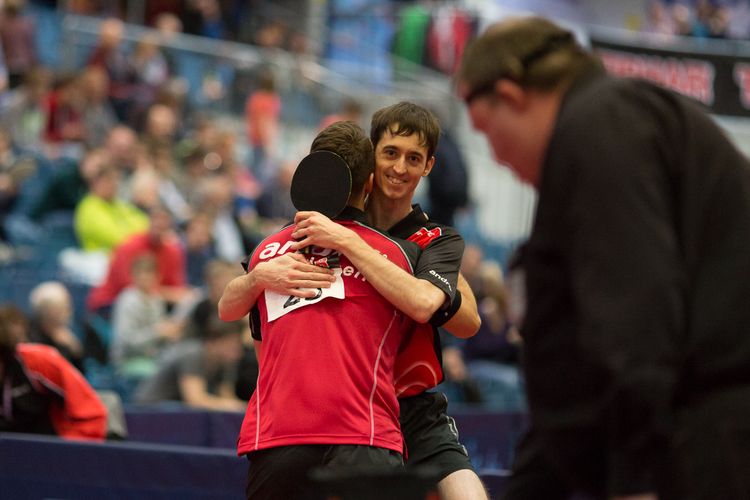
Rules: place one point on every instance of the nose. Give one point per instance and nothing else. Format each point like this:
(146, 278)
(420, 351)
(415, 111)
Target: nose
(400, 165)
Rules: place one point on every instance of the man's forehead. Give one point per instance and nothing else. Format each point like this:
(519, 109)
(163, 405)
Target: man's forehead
(412, 143)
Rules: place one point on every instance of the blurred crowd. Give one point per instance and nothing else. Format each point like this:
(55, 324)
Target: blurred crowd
(158, 200)
(699, 18)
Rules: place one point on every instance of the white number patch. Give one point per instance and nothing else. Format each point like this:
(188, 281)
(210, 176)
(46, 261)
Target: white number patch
(279, 305)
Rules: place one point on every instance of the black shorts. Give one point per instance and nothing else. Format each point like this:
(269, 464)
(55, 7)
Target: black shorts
(283, 473)
(431, 435)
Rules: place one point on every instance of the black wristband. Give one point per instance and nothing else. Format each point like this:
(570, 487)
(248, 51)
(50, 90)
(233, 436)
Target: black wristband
(442, 316)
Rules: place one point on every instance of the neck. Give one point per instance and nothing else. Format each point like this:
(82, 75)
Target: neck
(385, 212)
(357, 201)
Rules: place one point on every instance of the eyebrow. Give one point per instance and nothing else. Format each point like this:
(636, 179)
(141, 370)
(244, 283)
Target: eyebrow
(408, 151)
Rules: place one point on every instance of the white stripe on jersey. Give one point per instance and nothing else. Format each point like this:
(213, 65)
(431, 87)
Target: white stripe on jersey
(257, 411)
(375, 376)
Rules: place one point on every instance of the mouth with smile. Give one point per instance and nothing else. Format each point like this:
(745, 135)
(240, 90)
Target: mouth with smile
(394, 180)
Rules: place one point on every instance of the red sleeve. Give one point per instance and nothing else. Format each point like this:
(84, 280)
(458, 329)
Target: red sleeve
(81, 414)
(118, 277)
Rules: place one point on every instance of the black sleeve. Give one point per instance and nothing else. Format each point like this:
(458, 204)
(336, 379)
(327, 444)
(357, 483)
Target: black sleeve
(440, 262)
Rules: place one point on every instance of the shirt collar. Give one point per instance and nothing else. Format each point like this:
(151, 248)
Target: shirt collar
(352, 213)
(413, 221)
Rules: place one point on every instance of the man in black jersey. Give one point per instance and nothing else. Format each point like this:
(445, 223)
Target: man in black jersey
(405, 136)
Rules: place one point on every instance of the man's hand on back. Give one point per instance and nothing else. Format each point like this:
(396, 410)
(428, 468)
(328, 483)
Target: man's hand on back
(292, 274)
(314, 228)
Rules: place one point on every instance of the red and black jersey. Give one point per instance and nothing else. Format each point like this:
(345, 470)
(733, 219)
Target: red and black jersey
(326, 366)
(42, 393)
(419, 363)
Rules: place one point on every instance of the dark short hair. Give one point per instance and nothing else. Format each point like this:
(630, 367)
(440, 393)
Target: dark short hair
(348, 140)
(532, 51)
(404, 119)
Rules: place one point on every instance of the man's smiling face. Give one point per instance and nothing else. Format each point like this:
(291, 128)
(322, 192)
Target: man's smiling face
(400, 162)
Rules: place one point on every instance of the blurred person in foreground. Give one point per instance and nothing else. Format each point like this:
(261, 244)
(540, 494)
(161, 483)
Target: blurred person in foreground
(42, 393)
(636, 353)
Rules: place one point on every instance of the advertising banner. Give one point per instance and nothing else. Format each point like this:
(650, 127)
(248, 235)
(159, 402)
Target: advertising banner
(720, 82)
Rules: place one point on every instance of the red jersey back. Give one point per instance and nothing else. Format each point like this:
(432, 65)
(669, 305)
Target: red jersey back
(326, 367)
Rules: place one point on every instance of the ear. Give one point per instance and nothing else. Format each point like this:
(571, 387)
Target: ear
(428, 166)
(369, 184)
(512, 94)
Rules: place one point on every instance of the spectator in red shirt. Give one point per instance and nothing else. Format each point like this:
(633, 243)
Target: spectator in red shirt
(160, 240)
(65, 112)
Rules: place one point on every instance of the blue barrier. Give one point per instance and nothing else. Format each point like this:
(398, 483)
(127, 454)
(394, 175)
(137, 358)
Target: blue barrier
(490, 437)
(35, 467)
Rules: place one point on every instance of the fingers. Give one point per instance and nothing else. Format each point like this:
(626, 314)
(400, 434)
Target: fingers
(304, 242)
(303, 292)
(302, 216)
(309, 289)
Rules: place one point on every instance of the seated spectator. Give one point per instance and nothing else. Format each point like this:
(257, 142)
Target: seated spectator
(122, 149)
(497, 339)
(492, 355)
(98, 116)
(102, 220)
(109, 54)
(217, 200)
(160, 128)
(24, 112)
(151, 72)
(51, 321)
(274, 205)
(217, 274)
(159, 240)
(17, 37)
(68, 186)
(141, 326)
(199, 373)
(659, 19)
(199, 247)
(168, 185)
(14, 170)
(44, 394)
(144, 187)
(459, 386)
(65, 130)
